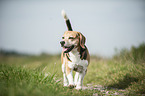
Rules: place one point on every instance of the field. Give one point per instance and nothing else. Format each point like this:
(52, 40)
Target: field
(28, 75)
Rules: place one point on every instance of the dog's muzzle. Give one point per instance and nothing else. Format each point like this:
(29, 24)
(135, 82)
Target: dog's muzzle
(66, 49)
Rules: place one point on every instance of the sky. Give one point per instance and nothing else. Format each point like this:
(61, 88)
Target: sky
(36, 26)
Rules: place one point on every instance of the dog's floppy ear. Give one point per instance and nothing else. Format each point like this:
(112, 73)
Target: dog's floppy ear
(82, 40)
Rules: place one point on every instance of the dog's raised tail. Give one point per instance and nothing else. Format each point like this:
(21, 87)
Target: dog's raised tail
(67, 21)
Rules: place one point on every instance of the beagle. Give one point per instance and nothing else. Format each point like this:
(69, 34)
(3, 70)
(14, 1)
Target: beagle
(74, 57)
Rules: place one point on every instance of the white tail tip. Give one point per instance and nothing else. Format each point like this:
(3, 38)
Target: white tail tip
(64, 15)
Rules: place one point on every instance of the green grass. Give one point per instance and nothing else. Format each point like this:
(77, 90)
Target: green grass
(16, 81)
(33, 76)
(42, 76)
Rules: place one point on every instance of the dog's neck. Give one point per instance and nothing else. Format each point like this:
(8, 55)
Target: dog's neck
(74, 55)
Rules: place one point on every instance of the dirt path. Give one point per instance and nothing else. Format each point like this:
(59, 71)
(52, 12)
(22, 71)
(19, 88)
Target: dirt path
(104, 90)
(101, 89)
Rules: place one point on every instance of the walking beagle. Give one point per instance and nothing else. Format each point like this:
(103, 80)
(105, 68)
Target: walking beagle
(74, 57)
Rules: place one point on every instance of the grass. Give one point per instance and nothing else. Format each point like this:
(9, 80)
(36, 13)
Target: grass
(42, 76)
(17, 81)
(32, 76)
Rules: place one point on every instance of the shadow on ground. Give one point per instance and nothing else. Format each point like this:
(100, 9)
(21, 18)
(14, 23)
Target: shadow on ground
(124, 83)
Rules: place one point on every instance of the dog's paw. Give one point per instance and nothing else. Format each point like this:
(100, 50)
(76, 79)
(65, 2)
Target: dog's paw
(71, 86)
(78, 87)
(65, 85)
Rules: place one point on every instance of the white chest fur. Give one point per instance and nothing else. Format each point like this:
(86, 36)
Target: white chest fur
(76, 62)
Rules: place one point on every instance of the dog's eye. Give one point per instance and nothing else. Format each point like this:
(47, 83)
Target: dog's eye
(71, 38)
(62, 37)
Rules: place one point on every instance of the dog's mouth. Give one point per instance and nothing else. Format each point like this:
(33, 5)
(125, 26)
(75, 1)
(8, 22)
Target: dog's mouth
(67, 49)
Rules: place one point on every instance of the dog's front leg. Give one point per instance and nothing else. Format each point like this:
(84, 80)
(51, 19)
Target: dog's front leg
(70, 77)
(65, 81)
(81, 76)
(76, 78)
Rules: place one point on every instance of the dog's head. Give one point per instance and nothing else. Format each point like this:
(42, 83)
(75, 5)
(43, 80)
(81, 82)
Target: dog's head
(71, 40)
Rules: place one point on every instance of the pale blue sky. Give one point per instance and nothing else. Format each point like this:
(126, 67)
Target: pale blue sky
(36, 26)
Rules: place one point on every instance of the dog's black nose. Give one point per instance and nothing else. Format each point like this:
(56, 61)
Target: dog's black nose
(62, 43)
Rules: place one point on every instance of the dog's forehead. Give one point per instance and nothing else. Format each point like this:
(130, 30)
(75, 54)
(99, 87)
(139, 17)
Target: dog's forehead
(70, 33)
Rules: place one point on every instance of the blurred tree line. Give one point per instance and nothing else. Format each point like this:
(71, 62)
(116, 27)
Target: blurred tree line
(135, 54)
(10, 52)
